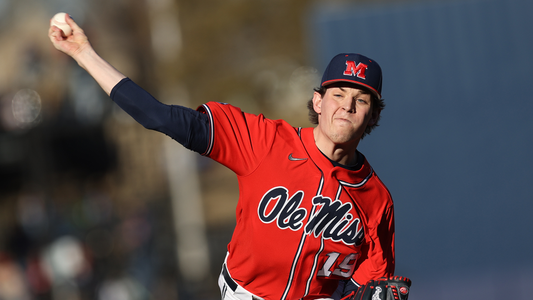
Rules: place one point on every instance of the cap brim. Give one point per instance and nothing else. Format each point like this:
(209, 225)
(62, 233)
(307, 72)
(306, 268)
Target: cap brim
(329, 82)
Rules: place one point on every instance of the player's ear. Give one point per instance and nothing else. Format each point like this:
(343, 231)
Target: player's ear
(317, 102)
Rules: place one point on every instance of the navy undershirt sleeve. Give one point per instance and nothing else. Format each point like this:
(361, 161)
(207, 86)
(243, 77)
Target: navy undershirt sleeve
(187, 126)
(350, 287)
(345, 289)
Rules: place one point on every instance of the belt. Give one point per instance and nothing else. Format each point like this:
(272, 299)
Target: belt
(229, 281)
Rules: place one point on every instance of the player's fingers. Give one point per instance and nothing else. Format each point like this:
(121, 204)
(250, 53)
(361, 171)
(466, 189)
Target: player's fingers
(52, 29)
(55, 34)
(52, 33)
(72, 23)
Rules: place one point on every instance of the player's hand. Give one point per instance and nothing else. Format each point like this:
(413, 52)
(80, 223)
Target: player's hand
(73, 44)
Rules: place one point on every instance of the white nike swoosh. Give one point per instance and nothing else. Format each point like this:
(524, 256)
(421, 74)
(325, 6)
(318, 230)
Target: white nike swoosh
(295, 159)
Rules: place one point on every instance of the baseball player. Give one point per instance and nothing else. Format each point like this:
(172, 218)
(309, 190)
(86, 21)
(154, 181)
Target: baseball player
(314, 221)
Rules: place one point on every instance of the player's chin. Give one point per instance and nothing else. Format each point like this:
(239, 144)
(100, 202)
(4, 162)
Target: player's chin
(344, 137)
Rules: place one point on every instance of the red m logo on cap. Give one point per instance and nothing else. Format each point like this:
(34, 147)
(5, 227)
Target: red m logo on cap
(353, 70)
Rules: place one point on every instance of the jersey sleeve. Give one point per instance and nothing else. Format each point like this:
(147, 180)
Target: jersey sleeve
(378, 253)
(237, 139)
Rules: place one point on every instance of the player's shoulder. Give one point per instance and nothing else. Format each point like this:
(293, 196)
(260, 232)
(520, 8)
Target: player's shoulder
(377, 184)
(382, 190)
(216, 109)
(213, 106)
(225, 108)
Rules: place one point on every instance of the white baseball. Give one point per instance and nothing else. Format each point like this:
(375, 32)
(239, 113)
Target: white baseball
(59, 21)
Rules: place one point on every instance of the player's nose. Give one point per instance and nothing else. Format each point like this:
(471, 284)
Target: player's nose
(348, 104)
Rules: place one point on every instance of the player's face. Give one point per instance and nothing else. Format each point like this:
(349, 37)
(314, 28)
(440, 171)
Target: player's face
(343, 114)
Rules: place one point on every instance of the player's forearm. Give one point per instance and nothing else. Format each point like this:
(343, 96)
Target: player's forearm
(104, 73)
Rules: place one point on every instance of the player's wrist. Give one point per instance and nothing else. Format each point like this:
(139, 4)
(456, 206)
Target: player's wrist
(85, 55)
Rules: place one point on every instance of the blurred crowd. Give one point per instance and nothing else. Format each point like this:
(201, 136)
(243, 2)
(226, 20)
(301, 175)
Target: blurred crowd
(74, 223)
(85, 249)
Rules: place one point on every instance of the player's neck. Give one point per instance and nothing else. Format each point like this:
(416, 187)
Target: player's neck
(345, 154)
(341, 156)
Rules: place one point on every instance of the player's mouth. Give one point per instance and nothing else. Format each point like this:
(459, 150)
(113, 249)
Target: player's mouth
(342, 120)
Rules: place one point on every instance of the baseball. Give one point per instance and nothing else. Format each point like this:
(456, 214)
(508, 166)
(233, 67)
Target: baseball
(59, 21)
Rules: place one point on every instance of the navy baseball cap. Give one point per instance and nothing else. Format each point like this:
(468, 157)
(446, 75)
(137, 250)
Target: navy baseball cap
(354, 68)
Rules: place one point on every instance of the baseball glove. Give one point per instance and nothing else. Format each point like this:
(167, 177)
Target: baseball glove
(392, 288)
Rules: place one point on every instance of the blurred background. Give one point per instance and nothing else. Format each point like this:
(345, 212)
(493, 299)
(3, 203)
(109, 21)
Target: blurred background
(93, 206)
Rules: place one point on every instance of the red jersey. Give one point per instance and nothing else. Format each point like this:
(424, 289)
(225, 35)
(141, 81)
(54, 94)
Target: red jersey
(303, 224)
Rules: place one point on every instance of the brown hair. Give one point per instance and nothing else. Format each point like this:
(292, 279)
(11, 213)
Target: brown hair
(377, 106)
